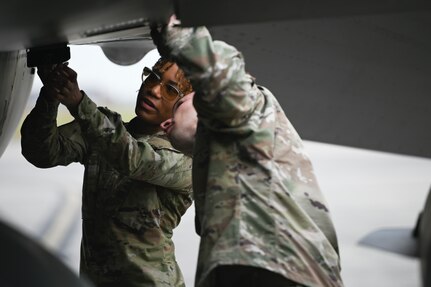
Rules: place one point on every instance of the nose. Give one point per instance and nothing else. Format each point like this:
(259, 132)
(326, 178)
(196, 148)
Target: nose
(167, 124)
(156, 90)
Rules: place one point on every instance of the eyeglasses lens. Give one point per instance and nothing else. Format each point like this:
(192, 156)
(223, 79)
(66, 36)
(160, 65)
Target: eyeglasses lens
(151, 79)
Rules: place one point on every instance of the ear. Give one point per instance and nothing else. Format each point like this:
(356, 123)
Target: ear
(167, 124)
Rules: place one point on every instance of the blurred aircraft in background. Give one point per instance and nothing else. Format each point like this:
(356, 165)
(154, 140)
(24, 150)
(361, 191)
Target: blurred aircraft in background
(354, 74)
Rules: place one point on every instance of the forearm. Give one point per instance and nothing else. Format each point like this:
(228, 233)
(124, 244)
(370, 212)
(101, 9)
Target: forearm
(43, 143)
(39, 132)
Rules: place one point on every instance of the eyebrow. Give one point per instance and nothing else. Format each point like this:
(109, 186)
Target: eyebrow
(168, 81)
(172, 83)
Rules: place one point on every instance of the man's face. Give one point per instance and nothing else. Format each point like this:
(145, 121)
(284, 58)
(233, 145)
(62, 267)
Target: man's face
(181, 128)
(152, 105)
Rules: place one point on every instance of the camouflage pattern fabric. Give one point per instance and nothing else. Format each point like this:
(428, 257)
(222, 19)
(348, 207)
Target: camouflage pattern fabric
(256, 195)
(136, 188)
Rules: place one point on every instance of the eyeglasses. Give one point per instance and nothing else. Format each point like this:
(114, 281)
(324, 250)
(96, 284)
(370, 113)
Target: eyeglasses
(151, 78)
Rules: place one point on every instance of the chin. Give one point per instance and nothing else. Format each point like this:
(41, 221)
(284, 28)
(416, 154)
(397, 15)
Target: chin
(184, 145)
(143, 116)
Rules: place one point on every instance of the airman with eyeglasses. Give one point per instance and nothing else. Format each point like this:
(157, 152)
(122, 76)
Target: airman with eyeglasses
(136, 185)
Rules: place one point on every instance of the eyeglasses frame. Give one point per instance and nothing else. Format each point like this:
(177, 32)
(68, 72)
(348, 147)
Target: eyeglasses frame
(146, 72)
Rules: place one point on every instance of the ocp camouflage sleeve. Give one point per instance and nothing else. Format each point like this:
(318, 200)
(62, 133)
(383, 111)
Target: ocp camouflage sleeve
(216, 70)
(46, 145)
(139, 159)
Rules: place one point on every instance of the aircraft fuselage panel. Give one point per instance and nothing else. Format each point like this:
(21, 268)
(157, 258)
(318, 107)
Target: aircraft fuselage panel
(15, 84)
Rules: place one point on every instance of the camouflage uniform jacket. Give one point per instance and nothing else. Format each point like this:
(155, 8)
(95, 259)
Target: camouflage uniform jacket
(256, 195)
(136, 188)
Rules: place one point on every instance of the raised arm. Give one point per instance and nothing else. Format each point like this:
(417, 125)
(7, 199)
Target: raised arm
(225, 94)
(43, 143)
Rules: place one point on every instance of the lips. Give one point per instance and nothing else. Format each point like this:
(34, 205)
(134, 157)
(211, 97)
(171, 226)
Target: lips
(148, 104)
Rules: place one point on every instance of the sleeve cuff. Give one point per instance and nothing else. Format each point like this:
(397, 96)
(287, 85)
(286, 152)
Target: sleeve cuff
(86, 108)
